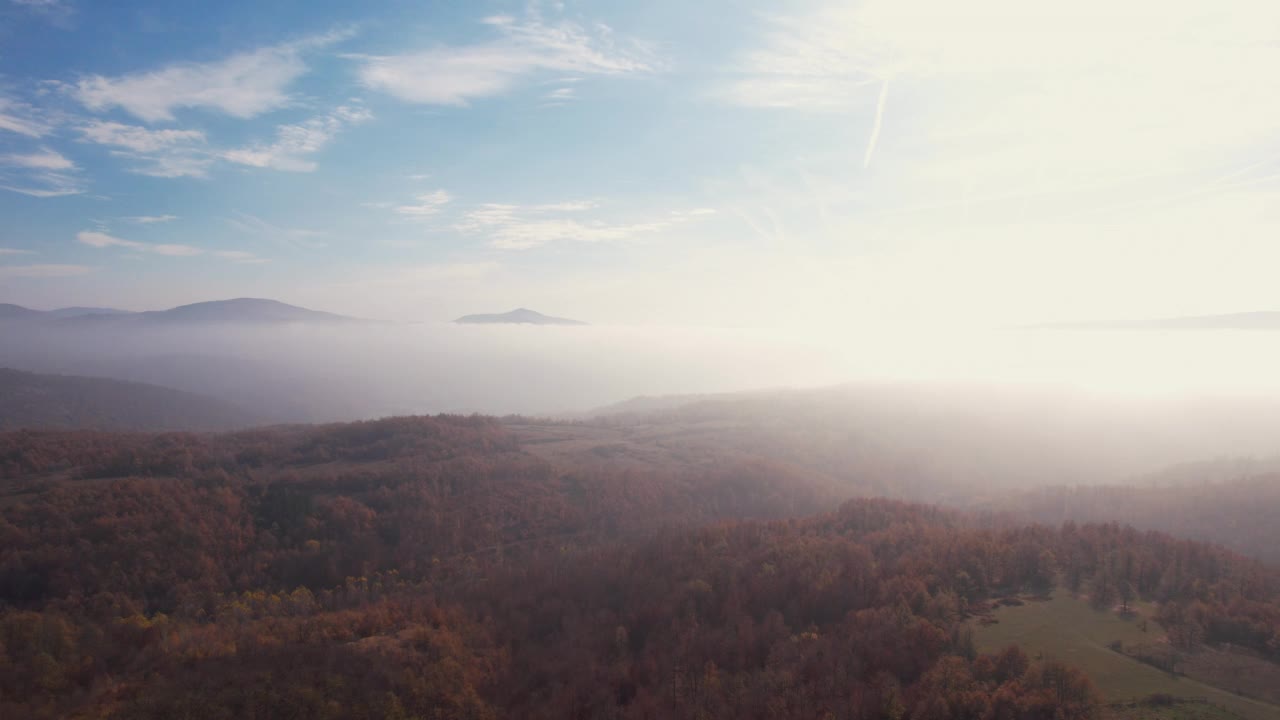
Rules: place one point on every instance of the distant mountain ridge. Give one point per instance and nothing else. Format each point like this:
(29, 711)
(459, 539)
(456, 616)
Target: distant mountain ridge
(237, 311)
(9, 311)
(1261, 320)
(72, 402)
(80, 311)
(256, 310)
(520, 316)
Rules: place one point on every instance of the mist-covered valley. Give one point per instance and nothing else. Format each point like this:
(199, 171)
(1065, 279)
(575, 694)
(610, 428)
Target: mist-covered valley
(309, 370)
(417, 489)
(594, 360)
(995, 409)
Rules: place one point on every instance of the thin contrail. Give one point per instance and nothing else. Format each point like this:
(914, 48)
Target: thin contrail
(875, 129)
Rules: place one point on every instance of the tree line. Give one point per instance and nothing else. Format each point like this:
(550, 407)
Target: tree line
(428, 568)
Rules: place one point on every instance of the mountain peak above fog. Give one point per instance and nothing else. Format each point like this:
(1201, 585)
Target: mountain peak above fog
(523, 316)
(250, 310)
(78, 311)
(9, 311)
(254, 311)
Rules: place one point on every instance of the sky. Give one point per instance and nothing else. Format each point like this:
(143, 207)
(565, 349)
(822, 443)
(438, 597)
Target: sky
(902, 163)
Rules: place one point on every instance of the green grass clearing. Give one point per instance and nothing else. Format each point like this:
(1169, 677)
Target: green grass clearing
(1070, 630)
(1196, 711)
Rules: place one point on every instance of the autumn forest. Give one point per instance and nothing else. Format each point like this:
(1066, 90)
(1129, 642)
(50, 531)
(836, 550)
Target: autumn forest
(446, 567)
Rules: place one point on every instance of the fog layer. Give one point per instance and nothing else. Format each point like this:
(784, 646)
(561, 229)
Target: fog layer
(1106, 403)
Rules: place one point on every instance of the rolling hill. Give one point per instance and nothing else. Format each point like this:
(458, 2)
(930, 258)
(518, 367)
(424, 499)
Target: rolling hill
(519, 316)
(1237, 513)
(238, 311)
(77, 311)
(9, 311)
(32, 400)
(243, 310)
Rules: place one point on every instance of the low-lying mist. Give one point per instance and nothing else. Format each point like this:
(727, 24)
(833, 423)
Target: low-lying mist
(1106, 404)
(316, 372)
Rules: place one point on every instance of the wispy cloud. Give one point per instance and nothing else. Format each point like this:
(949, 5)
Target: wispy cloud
(44, 271)
(174, 153)
(93, 238)
(16, 251)
(45, 173)
(240, 256)
(149, 219)
(458, 74)
(22, 118)
(185, 153)
(174, 165)
(55, 186)
(561, 94)
(427, 275)
(159, 153)
(54, 10)
(45, 159)
(98, 239)
(820, 60)
(138, 139)
(426, 205)
(523, 227)
(294, 142)
(243, 85)
(47, 5)
(1007, 92)
(256, 226)
(176, 250)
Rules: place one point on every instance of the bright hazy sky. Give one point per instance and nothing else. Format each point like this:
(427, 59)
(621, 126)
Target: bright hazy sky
(666, 162)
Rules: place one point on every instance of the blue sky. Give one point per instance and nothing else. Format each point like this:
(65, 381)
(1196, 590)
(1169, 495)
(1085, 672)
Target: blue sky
(719, 163)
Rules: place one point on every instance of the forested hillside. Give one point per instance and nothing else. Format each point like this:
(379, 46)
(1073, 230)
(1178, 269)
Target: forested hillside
(955, 443)
(34, 400)
(432, 568)
(1239, 513)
